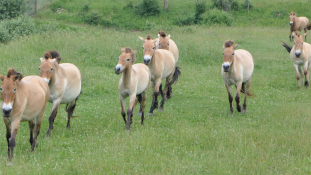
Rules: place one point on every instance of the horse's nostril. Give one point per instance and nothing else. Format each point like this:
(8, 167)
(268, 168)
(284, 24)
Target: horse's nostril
(6, 112)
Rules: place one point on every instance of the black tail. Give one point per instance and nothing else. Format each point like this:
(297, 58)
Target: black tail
(175, 76)
(286, 47)
(243, 90)
(309, 26)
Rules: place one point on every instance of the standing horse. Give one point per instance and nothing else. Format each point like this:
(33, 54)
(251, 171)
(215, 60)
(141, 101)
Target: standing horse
(22, 99)
(65, 84)
(297, 24)
(164, 42)
(162, 65)
(237, 69)
(135, 82)
(300, 54)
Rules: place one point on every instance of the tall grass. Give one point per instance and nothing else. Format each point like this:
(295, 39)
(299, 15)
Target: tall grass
(194, 134)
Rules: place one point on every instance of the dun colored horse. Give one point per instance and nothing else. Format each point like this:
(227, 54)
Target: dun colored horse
(164, 42)
(65, 84)
(162, 65)
(297, 24)
(135, 82)
(300, 54)
(22, 99)
(237, 69)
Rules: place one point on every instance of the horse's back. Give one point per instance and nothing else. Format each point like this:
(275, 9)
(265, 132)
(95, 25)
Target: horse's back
(174, 49)
(72, 80)
(37, 92)
(143, 76)
(303, 22)
(165, 59)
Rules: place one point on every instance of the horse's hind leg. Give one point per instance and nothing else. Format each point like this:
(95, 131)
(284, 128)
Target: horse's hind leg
(37, 130)
(143, 105)
(31, 127)
(246, 92)
(155, 94)
(122, 101)
(139, 99)
(163, 99)
(133, 100)
(237, 97)
(230, 98)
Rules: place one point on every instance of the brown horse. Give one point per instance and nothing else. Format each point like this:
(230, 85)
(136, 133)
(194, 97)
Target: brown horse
(162, 65)
(297, 24)
(65, 84)
(237, 69)
(300, 55)
(22, 99)
(135, 82)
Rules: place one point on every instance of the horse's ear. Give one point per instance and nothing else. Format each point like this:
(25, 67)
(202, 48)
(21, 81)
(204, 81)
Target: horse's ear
(155, 40)
(235, 46)
(169, 36)
(58, 59)
(1, 77)
(304, 35)
(122, 49)
(142, 39)
(18, 76)
(41, 59)
(294, 34)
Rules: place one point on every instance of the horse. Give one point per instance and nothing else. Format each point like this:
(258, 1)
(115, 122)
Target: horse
(300, 54)
(237, 69)
(135, 82)
(162, 65)
(297, 24)
(64, 81)
(164, 42)
(22, 99)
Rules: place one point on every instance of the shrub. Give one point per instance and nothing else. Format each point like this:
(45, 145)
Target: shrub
(92, 18)
(216, 16)
(226, 5)
(11, 8)
(200, 8)
(148, 8)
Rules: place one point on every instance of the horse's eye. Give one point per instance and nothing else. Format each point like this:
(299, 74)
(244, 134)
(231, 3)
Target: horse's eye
(128, 59)
(294, 43)
(1, 89)
(223, 54)
(51, 69)
(233, 53)
(143, 47)
(153, 47)
(168, 44)
(159, 44)
(14, 90)
(39, 69)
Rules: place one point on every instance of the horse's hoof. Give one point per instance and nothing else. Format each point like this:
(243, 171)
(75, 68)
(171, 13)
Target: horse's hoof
(161, 109)
(127, 131)
(243, 111)
(230, 114)
(9, 163)
(150, 114)
(142, 124)
(139, 113)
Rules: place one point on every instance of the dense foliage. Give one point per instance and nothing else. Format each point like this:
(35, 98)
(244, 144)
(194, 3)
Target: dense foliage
(11, 8)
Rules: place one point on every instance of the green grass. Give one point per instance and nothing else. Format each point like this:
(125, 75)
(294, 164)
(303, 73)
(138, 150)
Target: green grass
(118, 15)
(194, 134)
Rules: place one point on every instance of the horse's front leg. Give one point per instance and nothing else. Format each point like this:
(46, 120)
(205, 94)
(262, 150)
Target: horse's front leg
(237, 97)
(31, 127)
(297, 75)
(11, 141)
(122, 101)
(155, 94)
(290, 34)
(52, 117)
(8, 133)
(130, 111)
(230, 98)
(246, 92)
(306, 73)
(163, 99)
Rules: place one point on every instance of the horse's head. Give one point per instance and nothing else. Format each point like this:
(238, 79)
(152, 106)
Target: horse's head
(164, 41)
(228, 55)
(149, 48)
(48, 64)
(8, 91)
(125, 59)
(292, 17)
(298, 42)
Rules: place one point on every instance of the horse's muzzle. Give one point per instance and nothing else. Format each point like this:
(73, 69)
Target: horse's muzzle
(290, 23)
(6, 112)
(117, 71)
(226, 68)
(297, 54)
(147, 61)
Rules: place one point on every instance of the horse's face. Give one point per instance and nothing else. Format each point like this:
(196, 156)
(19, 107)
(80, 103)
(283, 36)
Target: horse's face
(126, 59)
(46, 69)
(228, 57)
(148, 48)
(164, 42)
(8, 93)
(298, 44)
(291, 19)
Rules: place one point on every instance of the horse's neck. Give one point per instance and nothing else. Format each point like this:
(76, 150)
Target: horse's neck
(57, 75)
(296, 22)
(127, 75)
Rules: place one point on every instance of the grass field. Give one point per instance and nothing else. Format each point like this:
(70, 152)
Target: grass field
(194, 134)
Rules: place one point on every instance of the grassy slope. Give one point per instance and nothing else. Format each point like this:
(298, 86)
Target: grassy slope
(194, 134)
(116, 14)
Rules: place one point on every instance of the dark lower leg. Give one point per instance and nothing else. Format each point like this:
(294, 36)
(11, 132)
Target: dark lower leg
(11, 147)
(70, 112)
(31, 127)
(51, 121)
(237, 99)
(169, 92)
(154, 104)
(129, 119)
(142, 118)
(230, 101)
(162, 95)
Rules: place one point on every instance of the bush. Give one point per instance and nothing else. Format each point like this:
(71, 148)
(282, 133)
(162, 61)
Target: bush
(200, 8)
(22, 26)
(11, 8)
(216, 16)
(226, 5)
(92, 18)
(148, 8)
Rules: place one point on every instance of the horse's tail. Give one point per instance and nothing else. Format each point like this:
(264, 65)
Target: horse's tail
(309, 26)
(286, 47)
(175, 76)
(243, 90)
